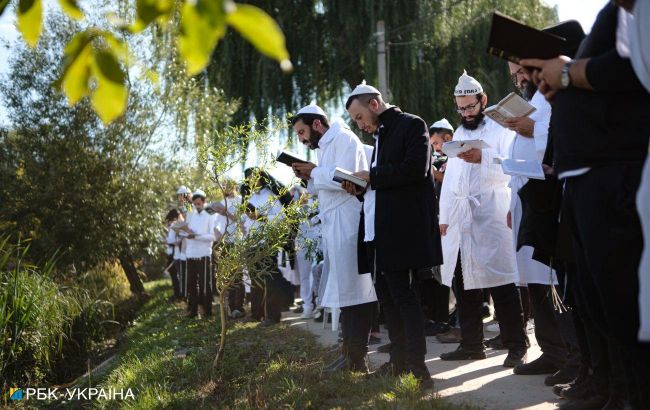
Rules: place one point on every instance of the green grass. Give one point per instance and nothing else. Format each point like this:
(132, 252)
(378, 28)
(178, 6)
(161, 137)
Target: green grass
(276, 367)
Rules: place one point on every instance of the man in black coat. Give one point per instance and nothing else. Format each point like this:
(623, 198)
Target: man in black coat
(405, 225)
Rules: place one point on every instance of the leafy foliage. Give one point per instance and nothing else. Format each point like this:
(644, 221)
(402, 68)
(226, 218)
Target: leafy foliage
(333, 47)
(96, 60)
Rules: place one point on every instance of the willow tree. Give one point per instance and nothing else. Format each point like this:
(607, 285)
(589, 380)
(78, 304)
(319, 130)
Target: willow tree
(333, 47)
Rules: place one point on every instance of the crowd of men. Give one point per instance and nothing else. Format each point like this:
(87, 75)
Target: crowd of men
(565, 250)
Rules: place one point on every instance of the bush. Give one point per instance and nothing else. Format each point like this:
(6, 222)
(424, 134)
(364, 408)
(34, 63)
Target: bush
(50, 323)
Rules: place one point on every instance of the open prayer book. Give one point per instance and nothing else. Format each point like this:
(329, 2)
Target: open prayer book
(453, 148)
(521, 167)
(513, 106)
(215, 207)
(341, 175)
(289, 158)
(179, 226)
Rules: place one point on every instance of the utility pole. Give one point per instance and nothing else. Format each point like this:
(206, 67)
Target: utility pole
(381, 59)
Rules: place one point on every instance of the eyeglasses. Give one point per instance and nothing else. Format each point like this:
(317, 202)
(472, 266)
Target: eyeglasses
(468, 108)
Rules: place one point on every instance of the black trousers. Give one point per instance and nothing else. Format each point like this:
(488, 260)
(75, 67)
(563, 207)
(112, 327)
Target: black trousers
(236, 295)
(600, 207)
(547, 331)
(374, 322)
(181, 269)
(356, 321)
(199, 284)
(398, 294)
(257, 300)
(435, 300)
(507, 305)
(173, 273)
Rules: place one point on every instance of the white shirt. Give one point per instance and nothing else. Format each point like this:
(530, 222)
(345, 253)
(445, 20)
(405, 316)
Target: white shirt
(171, 238)
(202, 224)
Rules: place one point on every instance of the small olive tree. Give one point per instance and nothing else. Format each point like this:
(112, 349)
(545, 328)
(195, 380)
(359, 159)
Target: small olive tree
(244, 250)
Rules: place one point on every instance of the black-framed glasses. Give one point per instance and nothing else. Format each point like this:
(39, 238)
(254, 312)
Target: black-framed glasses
(468, 108)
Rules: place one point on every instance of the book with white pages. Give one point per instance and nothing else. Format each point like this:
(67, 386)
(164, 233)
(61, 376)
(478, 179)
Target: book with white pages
(181, 226)
(512, 106)
(453, 148)
(341, 175)
(521, 167)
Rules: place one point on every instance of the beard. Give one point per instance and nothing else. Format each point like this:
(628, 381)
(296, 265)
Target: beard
(314, 137)
(473, 122)
(528, 89)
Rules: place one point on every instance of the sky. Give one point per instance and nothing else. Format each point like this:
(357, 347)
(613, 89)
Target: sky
(584, 11)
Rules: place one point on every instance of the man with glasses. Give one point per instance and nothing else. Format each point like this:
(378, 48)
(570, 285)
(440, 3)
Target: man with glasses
(476, 242)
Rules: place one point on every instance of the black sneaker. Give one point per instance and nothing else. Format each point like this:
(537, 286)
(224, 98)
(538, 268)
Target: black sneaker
(541, 365)
(563, 376)
(579, 391)
(462, 354)
(515, 358)
(432, 328)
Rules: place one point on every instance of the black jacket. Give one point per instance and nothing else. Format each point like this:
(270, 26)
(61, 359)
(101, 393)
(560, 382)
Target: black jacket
(407, 235)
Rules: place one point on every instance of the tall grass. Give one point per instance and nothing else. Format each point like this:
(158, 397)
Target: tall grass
(49, 323)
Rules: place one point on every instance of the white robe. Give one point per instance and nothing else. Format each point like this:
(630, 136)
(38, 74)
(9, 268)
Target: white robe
(530, 149)
(339, 215)
(474, 202)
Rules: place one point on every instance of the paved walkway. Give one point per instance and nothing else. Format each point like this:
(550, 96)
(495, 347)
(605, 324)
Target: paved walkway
(485, 383)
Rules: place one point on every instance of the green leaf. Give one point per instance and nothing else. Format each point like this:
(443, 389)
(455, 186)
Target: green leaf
(202, 26)
(30, 13)
(150, 10)
(256, 26)
(3, 5)
(75, 81)
(110, 95)
(72, 9)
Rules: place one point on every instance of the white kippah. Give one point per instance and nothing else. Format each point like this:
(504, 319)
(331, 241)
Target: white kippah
(364, 88)
(199, 192)
(312, 109)
(182, 190)
(467, 86)
(443, 123)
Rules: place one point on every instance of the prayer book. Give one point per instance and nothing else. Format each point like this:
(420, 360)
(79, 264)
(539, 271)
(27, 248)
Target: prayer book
(289, 158)
(453, 148)
(215, 207)
(522, 168)
(512, 106)
(341, 175)
(513, 40)
(179, 226)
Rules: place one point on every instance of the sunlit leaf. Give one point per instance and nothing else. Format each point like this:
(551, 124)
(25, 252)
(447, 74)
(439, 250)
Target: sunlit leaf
(110, 95)
(149, 10)
(30, 13)
(71, 7)
(256, 26)
(202, 25)
(77, 76)
(3, 5)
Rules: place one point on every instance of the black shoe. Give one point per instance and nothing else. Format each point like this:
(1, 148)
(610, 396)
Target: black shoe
(579, 391)
(563, 376)
(432, 328)
(384, 348)
(267, 323)
(590, 403)
(299, 309)
(374, 340)
(385, 370)
(462, 354)
(541, 365)
(495, 343)
(515, 358)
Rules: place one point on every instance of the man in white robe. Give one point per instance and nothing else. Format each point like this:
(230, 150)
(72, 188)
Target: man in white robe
(476, 242)
(353, 293)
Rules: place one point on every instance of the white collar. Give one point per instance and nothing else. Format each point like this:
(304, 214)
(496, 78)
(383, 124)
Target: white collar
(332, 132)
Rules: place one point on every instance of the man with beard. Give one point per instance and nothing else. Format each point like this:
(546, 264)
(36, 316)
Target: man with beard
(477, 243)
(402, 238)
(353, 293)
(529, 145)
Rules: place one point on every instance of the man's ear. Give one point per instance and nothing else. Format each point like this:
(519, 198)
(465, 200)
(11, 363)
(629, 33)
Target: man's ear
(316, 124)
(484, 100)
(373, 104)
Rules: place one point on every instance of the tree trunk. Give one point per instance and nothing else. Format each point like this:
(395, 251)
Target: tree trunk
(132, 274)
(224, 324)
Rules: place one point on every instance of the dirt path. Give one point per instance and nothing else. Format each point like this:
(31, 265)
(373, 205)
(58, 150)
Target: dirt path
(485, 383)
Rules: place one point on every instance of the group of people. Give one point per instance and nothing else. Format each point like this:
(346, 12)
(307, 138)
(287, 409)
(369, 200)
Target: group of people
(565, 250)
